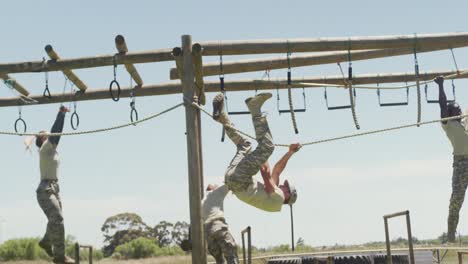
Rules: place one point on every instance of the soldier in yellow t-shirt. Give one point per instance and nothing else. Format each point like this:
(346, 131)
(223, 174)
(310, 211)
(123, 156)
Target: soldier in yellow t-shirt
(268, 195)
(457, 134)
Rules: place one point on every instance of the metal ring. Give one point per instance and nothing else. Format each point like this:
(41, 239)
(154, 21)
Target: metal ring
(134, 115)
(24, 124)
(115, 98)
(75, 120)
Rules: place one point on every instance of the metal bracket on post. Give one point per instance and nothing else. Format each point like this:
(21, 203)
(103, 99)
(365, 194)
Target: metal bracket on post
(247, 260)
(410, 236)
(77, 253)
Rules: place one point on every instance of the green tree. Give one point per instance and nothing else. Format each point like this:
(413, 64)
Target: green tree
(180, 232)
(163, 231)
(122, 228)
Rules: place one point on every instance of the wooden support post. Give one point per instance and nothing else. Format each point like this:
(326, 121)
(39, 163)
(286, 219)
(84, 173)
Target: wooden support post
(410, 238)
(242, 66)
(122, 48)
(387, 241)
(198, 67)
(70, 75)
(18, 87)
(192, 116)
(238, 85)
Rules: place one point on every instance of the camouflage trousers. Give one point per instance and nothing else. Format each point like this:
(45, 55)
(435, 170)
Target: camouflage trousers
(459, 185)
(221, 244)
(246, 163)
(49, 200)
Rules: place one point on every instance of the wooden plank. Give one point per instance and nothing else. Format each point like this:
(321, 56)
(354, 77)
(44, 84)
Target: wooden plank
(18, 87)
(121, 46)
(87, 62)
(237, 85)
(70, 75)
(273, 63)
(192, 116)
(242, 47)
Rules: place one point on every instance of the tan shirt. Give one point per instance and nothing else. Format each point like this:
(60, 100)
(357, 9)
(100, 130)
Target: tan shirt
(257, 196)
(213, 203)
(458, 136)
(49, 161)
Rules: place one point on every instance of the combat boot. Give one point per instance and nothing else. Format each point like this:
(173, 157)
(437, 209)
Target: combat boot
(47, 248)
(255, 103)
(64, 260)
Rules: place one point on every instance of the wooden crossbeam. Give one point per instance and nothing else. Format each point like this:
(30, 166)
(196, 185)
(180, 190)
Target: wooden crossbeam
(18, 87)
(87, 62)
(122, 49)
(68, 73)
(443, 41)
(241, 66)
(243, 47)
(238, 85)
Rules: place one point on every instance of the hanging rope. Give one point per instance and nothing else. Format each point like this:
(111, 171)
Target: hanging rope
(96, 130)
(291, 106)
(416, 72)
(350, 89)
(455, 61)
(341, 137)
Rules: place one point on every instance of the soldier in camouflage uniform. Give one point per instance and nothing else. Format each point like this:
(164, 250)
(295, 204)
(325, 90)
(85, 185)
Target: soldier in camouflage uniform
(457, 134)
(269, 195)
(221, 244)
(48, 191)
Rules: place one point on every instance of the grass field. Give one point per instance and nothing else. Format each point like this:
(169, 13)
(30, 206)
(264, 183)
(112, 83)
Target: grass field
(449, 258)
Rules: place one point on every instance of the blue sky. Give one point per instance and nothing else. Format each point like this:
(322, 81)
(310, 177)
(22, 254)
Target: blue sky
(345, 187)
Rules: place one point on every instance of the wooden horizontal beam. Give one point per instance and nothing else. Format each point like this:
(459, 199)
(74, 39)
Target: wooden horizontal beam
(14, 84)
(122, 49)
(87, 62)
(68, 73)
(241, 47)
(239, 85)
(241, 66)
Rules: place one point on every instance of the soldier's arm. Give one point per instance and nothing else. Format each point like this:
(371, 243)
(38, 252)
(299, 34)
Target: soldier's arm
(58, 125)
(281, 164)
(442, 98)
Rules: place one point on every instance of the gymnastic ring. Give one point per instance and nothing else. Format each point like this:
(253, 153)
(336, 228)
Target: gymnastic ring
(75, 121)
(115, 98)
(134, 115)
(20, 120)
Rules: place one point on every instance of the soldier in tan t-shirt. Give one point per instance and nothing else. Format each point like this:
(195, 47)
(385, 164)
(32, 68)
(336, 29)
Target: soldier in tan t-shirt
(48, 191)
(269, 195)
(457, 134)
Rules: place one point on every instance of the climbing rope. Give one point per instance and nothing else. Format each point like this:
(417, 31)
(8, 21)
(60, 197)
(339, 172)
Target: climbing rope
(416, 73)
(350, 88)
(96, 130)
(341, 137)
(291, 106)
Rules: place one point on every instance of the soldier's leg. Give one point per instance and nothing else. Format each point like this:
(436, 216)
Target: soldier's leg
(215, 249)
(252, 162)
(228, 246)
(459, 185)
(51, 205)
